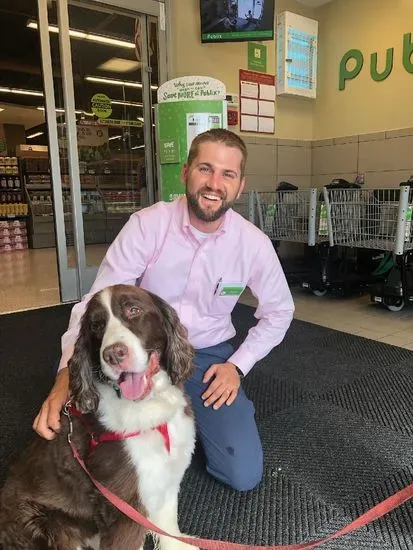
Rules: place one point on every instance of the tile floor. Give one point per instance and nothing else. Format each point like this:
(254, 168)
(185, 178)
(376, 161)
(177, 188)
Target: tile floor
(353, 315)
(29, 279)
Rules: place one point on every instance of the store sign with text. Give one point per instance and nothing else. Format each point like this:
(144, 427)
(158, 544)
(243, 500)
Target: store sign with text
(352, 62)
(88, 135)
(101, 105)
(191, 88)
(169, 151)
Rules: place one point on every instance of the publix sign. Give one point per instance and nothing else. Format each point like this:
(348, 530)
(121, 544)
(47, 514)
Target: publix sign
(355, 59)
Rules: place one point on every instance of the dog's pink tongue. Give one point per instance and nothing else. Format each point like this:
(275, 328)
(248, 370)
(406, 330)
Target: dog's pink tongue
(133, 385)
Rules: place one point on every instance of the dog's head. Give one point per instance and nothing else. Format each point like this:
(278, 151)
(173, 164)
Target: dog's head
(126, 336)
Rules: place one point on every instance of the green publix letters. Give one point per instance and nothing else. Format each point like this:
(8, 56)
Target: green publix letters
(357, 55)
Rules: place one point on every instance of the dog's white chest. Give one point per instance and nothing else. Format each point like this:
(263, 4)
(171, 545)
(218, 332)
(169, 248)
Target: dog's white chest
(160, 471)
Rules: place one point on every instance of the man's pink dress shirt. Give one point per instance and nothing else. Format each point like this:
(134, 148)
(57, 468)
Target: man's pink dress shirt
(158, 249)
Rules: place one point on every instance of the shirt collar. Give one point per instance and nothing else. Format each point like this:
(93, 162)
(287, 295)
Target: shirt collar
(185, 222)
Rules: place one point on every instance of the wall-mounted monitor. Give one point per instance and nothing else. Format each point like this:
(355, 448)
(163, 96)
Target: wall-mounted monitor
(236, 20)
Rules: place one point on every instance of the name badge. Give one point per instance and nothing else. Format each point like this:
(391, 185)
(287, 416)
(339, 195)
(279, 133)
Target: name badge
(231, 289)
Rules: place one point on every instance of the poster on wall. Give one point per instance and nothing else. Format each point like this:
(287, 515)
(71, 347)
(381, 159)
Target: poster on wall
(196, 123)
(257, 57)
(186, 107)
(257, 102)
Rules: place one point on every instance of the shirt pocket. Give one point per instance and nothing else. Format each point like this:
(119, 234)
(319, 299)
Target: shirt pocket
(225, 298)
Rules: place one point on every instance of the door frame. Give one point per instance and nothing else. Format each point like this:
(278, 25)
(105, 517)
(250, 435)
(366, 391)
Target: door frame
(76, 282)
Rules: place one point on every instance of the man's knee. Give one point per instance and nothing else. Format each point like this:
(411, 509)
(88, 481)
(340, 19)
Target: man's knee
(245, 480)
(242, 474)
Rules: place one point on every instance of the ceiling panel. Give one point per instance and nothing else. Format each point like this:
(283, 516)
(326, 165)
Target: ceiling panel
(20, 114)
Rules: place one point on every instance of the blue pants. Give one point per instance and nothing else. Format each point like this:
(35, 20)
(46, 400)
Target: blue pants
(229, 435)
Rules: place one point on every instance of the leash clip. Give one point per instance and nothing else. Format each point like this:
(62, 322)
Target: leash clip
(66, 412)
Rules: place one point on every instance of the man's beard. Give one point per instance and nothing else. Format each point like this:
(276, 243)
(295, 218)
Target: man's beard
(193, 204)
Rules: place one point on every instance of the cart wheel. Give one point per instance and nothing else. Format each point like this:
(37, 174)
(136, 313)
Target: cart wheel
(398, 306)
(320, 293)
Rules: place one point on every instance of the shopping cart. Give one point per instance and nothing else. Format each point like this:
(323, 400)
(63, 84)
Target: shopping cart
(292, 215)
(363, 218)
(288, 215)
(397, 234)
(364, 226)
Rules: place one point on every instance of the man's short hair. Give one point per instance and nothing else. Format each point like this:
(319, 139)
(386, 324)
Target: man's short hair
(219, 135)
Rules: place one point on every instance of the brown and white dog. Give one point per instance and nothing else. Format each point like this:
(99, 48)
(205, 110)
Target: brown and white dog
(127, 373)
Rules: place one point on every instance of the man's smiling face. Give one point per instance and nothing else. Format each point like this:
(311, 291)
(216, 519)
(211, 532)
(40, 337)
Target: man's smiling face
(213, 181)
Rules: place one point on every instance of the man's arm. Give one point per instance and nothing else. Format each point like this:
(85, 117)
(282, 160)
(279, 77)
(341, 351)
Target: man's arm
(274, 312)
(125, 261)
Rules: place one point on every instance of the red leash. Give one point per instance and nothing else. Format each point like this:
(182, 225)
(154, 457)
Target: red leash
(384, 507)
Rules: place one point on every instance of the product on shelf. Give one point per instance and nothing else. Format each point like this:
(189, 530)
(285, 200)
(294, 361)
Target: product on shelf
(121, 201)
(9, 166)
(10, 182)
(34, 165)
(13, 235)
(38, 179)
(12, 204)
(42, 203)
(92, 202)
(12, 195)
(10, 230)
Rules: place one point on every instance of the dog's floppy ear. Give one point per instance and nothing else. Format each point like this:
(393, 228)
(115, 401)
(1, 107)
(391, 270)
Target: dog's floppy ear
(83, 391)
(179, 354)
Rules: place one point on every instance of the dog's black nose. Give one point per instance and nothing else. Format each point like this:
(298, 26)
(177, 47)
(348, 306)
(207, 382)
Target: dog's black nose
(115, 354)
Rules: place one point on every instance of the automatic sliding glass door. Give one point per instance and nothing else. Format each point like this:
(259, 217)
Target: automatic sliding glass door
(101, 70)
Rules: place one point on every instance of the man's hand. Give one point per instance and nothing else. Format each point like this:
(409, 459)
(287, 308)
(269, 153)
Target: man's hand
(224, 387)
(47, 422)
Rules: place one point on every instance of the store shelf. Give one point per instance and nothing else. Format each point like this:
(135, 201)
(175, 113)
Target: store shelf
(109, 197)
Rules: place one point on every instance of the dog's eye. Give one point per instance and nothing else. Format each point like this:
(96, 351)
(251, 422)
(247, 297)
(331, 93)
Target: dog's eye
(132, 311)
(97, 326)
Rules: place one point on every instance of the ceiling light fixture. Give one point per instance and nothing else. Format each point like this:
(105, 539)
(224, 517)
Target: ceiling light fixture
(20, 91)
(114, 82)
(126, 103)
(59, 110)
(119, 65)
(114, 137)
(88, 36)
(36, 134)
